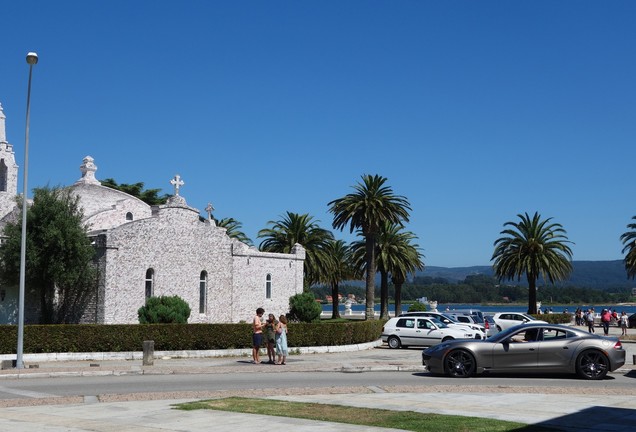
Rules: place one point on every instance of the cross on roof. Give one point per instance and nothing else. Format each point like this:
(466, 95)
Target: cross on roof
(209, 209)
(177, 183)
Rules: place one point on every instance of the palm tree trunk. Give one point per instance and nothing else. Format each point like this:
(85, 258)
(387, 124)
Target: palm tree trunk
(532, 294)
(335, 301)
(369, 312)
(384, 295)
(398, 298)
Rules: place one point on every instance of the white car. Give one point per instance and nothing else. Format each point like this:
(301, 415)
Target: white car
(452, 321)
(401, 332)
(505, 320)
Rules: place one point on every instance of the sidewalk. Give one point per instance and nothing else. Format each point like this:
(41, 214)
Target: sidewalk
(572, 412)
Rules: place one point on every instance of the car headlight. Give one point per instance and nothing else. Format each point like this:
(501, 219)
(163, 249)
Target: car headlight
(438, 347)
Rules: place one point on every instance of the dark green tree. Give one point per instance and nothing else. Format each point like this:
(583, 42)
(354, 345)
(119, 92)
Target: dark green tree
(59, 255)
(371, 205)
(304, 307)
(149, 196)
(629, 240)
(536, 248)
(302, 229)
(233, 229)
(164, 310)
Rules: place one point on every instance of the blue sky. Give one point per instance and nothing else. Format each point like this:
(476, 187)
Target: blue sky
(474, 111)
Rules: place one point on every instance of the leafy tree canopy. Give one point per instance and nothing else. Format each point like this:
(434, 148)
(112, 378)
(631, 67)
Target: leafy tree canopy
(58, 255)
(149, 196)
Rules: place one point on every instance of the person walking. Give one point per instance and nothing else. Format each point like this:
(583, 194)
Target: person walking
(589, 319)
(624, 323)
(257, 335)
(281, 340)
(606, 317)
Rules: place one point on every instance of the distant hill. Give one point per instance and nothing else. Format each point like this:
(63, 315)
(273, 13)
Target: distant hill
(603, 275)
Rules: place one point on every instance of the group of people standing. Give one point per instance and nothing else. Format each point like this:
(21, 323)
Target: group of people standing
(275, 334)
(607, 317)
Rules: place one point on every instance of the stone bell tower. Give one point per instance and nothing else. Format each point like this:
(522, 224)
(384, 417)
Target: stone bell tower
(8, 171)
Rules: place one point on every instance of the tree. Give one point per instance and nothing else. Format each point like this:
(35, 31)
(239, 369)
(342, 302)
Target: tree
(296, 228)
(407, 260)
(233, 229)
(303, 307)
(338, 269)
(164, 310)
(371, 205)
(58, 255)
(629, 240)
(535, 247)
(149, 196)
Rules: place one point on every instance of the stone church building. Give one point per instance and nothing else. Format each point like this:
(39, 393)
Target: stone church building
(144, 251)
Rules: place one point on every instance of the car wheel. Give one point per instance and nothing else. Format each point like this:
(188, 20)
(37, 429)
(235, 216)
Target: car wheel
(459, 364)
(498, 328)
(394, 342)
(592, 365)
(448, 338)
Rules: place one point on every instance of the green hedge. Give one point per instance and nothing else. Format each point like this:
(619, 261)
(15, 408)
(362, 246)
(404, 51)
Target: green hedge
(176, 337)
(554, 318)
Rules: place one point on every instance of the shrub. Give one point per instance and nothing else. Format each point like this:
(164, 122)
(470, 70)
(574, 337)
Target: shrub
(304, 308)
(164, 310)
(417, 307)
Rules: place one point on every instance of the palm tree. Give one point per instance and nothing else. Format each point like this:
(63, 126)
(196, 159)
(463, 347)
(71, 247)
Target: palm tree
(408, 259)
(233, 229)
(535, 247)
(296, 228)
(395, 255)
(371, 205)
(629, 240)
(338, 268)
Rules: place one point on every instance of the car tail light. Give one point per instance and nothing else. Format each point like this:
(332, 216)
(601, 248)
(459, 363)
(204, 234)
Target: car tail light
(486, 325)
(618, 345)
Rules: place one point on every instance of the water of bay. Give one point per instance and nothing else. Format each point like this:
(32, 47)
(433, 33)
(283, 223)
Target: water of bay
(442, 307)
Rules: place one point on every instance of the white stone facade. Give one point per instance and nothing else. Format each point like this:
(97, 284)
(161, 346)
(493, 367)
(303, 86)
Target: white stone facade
(165, 250)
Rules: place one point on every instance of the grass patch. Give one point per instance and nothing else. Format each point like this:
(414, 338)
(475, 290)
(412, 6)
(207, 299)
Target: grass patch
(406, 420)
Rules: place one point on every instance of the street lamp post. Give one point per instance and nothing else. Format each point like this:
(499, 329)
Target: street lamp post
(32, 59)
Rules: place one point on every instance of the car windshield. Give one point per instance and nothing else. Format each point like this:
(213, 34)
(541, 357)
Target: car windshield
(438, 323)
(451, 318)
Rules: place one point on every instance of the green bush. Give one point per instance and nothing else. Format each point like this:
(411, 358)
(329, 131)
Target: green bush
(164, 310)
(554, 318)
(417, 307)
(73, 338)
(304, 308)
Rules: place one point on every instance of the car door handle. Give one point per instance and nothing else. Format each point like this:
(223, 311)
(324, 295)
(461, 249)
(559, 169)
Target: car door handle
(530, 349)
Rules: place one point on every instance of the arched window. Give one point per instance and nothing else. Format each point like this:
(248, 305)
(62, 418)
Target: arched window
(268, 286)
(129, 216)
(3, 176)
(203, 290)
(150, 283)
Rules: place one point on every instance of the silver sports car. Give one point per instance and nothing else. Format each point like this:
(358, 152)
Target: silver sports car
(529, 348)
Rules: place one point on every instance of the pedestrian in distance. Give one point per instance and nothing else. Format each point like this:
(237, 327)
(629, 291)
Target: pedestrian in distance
(623, 321)
(270, 335)
(589, 319)
(281, 340)
(606, 317)
(257, 335)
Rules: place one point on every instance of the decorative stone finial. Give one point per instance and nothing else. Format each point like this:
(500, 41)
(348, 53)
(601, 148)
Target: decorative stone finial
(88, 169)
(3, 134)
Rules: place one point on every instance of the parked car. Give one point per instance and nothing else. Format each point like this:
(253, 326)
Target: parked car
(477, 312)
(491, 327)
(401, 332)
(505, 320)
(529, 348)
(452, 321)
(631, 321)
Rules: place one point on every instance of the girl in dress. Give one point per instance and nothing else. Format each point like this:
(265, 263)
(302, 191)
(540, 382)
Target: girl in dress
(281, 340)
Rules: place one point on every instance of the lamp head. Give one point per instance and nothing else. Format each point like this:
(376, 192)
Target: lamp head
(32, 58)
